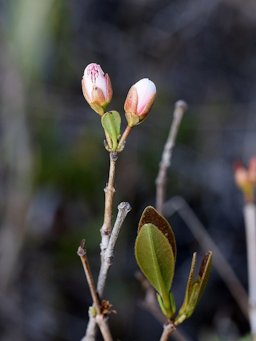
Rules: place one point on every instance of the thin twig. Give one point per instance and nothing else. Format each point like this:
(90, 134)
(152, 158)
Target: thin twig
(82, 254)
(105, 231)
(109, 194)
(168, 329)
(180, 108)
(250, 227)
(179, 205)
(123, 209)
(101, 321)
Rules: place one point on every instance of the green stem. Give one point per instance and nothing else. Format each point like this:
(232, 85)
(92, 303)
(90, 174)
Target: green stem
(124, 137)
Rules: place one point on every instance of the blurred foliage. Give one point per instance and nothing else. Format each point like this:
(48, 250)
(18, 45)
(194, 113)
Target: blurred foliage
(203, 52)
(74, 170)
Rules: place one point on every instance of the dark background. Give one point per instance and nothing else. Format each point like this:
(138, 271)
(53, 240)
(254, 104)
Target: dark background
(53, 166)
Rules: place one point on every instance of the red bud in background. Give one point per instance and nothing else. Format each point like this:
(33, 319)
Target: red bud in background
(244, 182)
(252, 170)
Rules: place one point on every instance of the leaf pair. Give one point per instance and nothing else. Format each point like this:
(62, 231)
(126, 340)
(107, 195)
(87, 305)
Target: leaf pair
(155, 252)
(111, 122)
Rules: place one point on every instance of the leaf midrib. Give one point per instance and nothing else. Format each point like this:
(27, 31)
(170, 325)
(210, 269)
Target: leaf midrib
(156, 266)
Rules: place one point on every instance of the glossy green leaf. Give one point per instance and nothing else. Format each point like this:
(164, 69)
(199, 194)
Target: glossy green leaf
(151, 216)
(111, 122)
(195, 287)
(155, 258)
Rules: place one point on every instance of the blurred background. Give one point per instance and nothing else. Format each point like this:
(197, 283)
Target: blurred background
(53, 165)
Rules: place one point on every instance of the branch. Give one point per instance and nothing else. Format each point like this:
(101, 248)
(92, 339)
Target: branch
(109, 194)
(123, 209)
(180, 108)
(101, 321)
(168, 329)
(250, 228)
(179, 205)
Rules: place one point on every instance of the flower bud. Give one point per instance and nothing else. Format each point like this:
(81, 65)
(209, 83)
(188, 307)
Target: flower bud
(96, 88)
(139, 101)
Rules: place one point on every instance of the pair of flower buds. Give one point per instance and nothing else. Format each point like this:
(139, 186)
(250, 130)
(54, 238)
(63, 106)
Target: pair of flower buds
(98, 92)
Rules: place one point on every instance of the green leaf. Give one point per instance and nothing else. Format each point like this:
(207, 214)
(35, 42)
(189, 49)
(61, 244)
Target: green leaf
(171, 309)
(195, 287)
(155, 258)
(161, 305)
(151, 216)
(190, 281)
(173, 304)
(111, 122)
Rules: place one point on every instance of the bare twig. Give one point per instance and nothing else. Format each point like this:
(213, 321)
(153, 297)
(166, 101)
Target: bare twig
(168, 329)
(101, 321)
(250, 227)
(123, 209)
(105, 231)
(109, 194)
(180, 108)
(179, 205)
(82, 254)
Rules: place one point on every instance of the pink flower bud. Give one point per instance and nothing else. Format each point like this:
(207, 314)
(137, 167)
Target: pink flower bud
(139, 101)
(96, 88)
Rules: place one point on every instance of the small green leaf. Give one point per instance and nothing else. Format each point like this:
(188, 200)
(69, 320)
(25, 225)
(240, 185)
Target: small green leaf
(172, 303)
(162, 307)
(155, 258)
(171, 309)
(151, 216)
(195, 287)
(193, 299)
(111, 122)
(190, 280)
